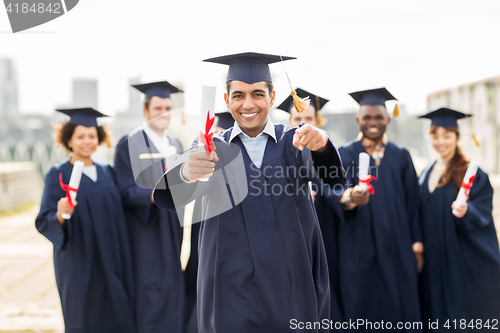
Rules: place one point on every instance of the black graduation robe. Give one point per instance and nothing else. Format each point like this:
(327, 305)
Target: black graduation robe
(191, 273)
(461, 276)
(92, 258)
(155, 236)
(372, 265)
(262, 261)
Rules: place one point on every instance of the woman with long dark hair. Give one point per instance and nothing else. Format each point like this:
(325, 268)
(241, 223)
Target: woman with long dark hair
(92, 259)
(460, 282)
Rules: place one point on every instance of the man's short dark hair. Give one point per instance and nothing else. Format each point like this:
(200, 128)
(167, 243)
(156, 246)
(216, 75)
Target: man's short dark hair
(269, 87)
(147, 101)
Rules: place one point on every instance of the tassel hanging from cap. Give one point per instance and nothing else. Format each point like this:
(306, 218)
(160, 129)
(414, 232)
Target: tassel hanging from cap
(320, 121)
(474, 137)
(183, 118)
(300, 104)
(396, 112)
(476, 140)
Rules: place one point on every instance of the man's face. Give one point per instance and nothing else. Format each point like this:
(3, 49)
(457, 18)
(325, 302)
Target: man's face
(308, 116)
(373, 121)
(249, 105)
(158, 114)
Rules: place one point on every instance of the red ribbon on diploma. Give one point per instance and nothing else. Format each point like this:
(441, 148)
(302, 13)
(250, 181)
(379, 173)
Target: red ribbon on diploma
(468, 186)
(67, 189)
(367, 181)
(207, 137)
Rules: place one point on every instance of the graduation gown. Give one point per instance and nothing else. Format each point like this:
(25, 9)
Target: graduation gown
(329, 232)
(262, 262)
(155, 236)
(373, 267)
(92, 258)
(191, 272)
(461, 276)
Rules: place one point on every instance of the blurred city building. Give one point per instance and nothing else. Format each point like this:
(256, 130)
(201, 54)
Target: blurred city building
(482, 99)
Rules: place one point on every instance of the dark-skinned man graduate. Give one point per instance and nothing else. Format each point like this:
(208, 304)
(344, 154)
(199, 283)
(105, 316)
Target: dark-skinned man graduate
(262, 264)
(155, 234)
(375, 249)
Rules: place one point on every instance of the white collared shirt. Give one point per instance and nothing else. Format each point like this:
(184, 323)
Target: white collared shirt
(162, 143)
(256, 146)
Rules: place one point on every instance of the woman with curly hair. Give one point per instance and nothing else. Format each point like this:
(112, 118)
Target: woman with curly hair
(92, 259)
(460, 282)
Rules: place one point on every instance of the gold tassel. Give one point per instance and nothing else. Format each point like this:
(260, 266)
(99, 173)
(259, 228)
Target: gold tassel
(476, 140)
(319, 119)
(300, 103)
(183, 118)
(396, 111)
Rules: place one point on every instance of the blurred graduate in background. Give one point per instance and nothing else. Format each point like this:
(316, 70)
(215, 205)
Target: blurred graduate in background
(92, 258)
(461, 276)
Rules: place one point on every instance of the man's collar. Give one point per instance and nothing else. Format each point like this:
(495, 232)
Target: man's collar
(268, 129)
(370, 143)
(152, 134)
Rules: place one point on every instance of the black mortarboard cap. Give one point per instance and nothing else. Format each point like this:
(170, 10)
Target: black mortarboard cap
(225, 120)
(83, 116)
(445, 117)
(372, 96)
(161, 89)
(249, 67)
(287, 104)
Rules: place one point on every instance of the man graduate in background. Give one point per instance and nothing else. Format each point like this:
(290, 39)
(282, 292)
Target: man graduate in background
(377, 233)
(311, 115)
(262, 264)
(155, 234)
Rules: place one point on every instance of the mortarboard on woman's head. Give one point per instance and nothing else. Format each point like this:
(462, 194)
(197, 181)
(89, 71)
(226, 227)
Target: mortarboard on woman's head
(83, 116)
(445, 117)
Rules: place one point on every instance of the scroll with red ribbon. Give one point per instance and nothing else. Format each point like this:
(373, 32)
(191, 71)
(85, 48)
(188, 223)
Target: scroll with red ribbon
(367, 182)
(364, 177)
(207, 137)
(470, 175)
(72, 187)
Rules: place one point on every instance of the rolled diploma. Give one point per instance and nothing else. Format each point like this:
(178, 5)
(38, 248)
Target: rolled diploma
(74, 182)
(207, 106)
(471, 171)
(170, 156)
(364, 164)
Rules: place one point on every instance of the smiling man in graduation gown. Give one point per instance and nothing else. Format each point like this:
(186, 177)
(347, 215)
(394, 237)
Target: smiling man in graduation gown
(375, 266)
(155, 234)
(262, 265)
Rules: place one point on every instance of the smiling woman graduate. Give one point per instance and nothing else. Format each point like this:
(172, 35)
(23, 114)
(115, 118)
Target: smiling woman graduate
(461, 276)
(92, 259)
(261, 258)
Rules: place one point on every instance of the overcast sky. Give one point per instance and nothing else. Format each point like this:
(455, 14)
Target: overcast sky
(411, 47)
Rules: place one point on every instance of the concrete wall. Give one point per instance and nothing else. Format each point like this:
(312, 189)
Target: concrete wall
(20, 183)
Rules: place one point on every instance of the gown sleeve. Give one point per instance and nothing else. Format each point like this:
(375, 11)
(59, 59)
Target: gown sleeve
(331, 195)
(132, 195)
(411, 188)
(480, 204)
(46, 222)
